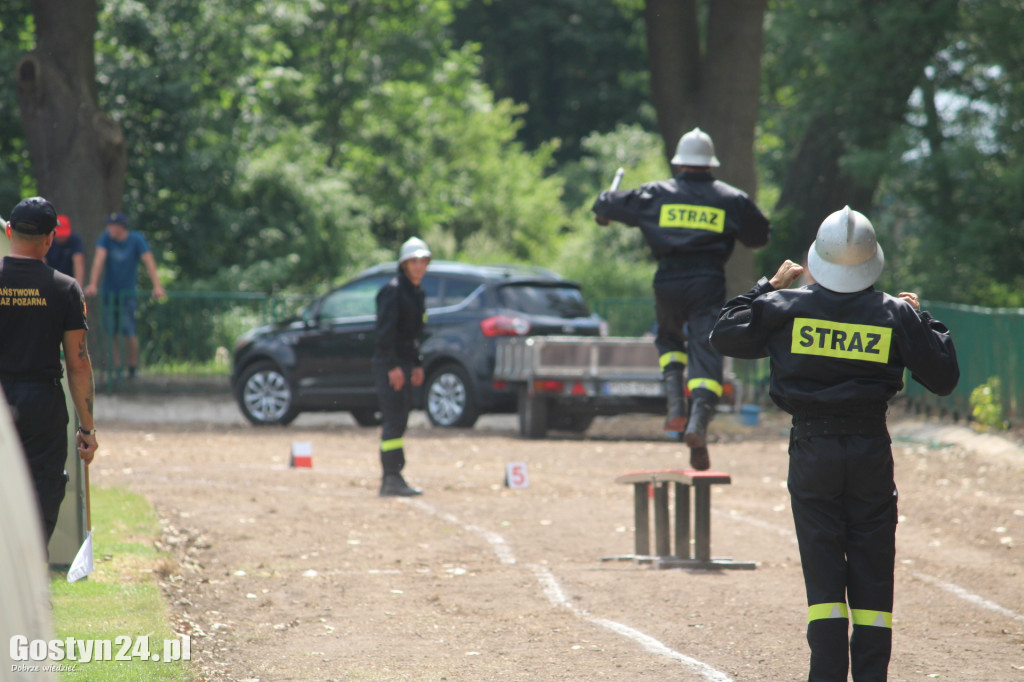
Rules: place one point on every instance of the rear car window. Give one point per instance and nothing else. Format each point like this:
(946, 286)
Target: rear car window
(456, 290)
(552, 301)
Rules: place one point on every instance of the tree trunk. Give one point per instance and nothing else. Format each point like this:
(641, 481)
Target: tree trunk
(77, 151)
(718, 91)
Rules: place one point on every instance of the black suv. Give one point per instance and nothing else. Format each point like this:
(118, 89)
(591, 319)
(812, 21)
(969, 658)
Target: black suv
(321, 360)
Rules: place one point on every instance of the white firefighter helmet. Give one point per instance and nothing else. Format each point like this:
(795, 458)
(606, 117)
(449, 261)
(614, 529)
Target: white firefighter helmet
(414, 247)
(695, 148)
(846, 256)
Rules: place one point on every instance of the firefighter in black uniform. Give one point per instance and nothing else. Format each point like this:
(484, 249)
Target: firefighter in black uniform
(838, 350)
(41, 310)
(691, 224)
(397, 365)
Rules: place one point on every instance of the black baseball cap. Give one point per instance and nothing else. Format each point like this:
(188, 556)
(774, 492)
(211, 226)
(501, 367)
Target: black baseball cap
(35, 215)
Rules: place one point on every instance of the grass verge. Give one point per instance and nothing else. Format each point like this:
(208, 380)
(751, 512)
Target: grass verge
(120, 601)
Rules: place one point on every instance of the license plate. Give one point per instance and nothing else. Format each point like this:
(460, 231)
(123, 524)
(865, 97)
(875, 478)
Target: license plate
(642, 388)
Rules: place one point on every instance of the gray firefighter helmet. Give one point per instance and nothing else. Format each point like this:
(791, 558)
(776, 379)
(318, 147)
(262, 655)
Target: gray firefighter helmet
(846, 256)
(414, 247)
(695, 148)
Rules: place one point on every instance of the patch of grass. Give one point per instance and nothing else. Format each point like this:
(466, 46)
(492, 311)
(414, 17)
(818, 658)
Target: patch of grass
(120, 601)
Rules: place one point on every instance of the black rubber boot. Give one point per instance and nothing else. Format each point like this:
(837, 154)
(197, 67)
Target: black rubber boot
(393, 485)
(675, 397)
(696, 434)
(699, 459)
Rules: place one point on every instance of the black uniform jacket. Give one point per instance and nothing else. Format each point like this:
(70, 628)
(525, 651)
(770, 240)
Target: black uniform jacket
(692, 214)
(401, 315)
(836, 354)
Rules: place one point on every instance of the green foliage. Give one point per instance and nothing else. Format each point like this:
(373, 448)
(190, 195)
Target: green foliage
(986, 405)
(439, 160)
(957, 201)
(579, 66)
(610, 261)
(16, 38)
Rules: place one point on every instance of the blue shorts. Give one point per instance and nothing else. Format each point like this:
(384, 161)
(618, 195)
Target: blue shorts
(119, 314)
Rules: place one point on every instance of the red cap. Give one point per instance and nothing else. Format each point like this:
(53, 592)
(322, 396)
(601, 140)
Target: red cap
(63, 227)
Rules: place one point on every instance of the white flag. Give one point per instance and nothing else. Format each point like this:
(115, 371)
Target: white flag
(82, 565)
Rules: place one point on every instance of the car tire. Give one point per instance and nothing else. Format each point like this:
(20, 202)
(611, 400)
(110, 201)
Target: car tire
(450, 399)
(265, 396)
(533, 415)
(366, 416)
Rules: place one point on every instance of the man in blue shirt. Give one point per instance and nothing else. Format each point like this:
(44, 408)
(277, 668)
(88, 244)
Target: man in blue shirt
(118, 252)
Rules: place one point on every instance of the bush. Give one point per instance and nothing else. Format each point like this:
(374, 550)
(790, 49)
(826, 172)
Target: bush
(987, 407)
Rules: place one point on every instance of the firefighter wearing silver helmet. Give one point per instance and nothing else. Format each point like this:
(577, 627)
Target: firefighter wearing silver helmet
(397, 363)
(838, 351)
(691, 223)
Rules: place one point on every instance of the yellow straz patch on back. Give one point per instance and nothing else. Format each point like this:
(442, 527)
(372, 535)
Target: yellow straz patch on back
(692, 217)
(841, 340)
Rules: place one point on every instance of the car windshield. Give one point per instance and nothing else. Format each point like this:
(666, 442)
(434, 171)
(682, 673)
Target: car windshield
(550, 301)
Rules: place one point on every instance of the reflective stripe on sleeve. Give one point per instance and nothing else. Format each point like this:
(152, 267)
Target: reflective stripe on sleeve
(389, 445)
(823, 611)
(879, 619)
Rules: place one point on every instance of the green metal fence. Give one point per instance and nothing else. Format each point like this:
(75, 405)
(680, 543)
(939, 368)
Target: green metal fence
(989, 343)
(185, 334)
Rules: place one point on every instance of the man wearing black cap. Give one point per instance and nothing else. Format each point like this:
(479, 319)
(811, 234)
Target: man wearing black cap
(41, 310)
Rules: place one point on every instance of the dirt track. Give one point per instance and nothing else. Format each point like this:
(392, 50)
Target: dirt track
(305, 574)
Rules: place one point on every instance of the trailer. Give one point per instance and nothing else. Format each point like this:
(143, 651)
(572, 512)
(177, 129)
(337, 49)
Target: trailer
(564, 382)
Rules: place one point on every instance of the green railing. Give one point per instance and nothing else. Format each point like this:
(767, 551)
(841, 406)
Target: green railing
(989, 343)
(185, 334)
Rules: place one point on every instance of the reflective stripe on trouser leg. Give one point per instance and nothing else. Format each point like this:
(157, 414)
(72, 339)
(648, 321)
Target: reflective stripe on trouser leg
(830, 610)
(870, 645)
(704, 374)
(827, 627)
(394, 417)
(672, 357)
(711, 385)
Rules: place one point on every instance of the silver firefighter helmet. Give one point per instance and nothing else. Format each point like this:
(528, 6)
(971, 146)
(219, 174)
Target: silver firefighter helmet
(846, 256)
(695, 148)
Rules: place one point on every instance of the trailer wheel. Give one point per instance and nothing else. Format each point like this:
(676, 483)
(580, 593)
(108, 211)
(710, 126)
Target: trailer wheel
(533, 415)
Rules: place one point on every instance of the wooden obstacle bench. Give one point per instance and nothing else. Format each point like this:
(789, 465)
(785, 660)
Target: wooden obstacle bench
(684, 479)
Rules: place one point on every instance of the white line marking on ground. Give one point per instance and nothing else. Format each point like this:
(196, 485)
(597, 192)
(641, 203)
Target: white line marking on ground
(952, 588)
(968, 596)
(553, 591)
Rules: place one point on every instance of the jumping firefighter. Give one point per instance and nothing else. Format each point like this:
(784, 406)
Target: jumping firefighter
(691, 224)
(838, 350)
(397, 364)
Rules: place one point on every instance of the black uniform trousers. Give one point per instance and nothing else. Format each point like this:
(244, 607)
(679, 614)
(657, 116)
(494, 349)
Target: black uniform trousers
(41, 418)
(394, 410)
(844, 502)
(692, 298)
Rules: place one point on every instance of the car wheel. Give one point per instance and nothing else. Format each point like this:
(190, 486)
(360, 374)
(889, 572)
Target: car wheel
(265, 396)
(366, 416)
(533, 415)
(450, 399)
